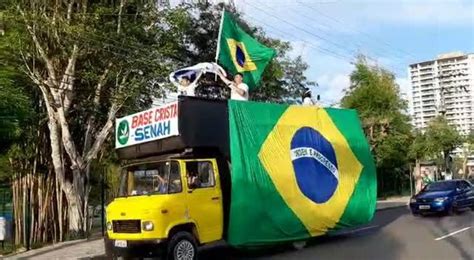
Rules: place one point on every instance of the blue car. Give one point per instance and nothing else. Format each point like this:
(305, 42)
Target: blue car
(443, 197)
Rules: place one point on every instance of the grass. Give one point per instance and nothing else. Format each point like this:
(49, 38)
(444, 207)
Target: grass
(7, 249)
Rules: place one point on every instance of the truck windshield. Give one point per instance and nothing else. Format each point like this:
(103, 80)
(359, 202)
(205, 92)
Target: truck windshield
(151, 179)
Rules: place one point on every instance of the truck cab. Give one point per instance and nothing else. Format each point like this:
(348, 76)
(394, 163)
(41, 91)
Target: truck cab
(171, 194)
(177, 202)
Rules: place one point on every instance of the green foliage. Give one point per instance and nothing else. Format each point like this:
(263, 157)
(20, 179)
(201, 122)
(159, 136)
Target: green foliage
(5, 169)
(442, 137)
(15, 104)
(376, 97)
(9, 248)
(468, 143)
(437, 142)
(419, 149)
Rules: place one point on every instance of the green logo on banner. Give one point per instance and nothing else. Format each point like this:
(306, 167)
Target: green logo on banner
(123, 132)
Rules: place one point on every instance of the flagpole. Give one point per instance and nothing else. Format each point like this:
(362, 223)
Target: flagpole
(219, 35)
(218, 48)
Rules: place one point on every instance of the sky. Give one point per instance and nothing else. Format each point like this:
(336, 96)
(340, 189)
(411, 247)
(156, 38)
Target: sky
(328, 34)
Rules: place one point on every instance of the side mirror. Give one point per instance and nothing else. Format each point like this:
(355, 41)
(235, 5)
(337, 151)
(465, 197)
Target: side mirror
(190, 190)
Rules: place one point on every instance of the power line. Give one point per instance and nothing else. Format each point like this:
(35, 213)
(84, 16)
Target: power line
(311, 45)
(354, 29)
(303, 29)
(356, 41)
(394, 68)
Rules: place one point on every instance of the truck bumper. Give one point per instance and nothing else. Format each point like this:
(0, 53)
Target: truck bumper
(135, 248)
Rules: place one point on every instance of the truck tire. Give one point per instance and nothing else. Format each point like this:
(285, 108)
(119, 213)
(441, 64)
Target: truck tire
(451, 211)
(299, 245)
(182, 246)
(109, 248)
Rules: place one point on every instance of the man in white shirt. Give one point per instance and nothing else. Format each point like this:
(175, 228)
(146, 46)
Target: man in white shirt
(238, 89)
(185, 87)
(307, 99)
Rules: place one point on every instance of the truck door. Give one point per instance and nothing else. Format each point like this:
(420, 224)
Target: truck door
(204, 198)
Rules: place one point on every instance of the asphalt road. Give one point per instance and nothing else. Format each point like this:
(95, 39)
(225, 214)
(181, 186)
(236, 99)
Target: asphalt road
(393, 234)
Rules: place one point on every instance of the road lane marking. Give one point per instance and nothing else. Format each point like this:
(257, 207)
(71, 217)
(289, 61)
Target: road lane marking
(356, 230)
(364, 228)
(452, 233)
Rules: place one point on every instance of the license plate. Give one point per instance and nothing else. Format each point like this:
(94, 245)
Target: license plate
(424, 206)
(120, 243)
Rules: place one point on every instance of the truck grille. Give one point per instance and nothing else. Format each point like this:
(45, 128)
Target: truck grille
(126, 226)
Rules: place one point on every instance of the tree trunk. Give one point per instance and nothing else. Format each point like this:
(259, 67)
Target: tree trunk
(16, 210)
(464, 164)
(74, 213)
(418, 177)
(32, 208)
(24, 222)
(76, 195)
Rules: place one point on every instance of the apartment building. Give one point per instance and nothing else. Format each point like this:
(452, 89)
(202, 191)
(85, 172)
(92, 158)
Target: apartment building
(443, 86)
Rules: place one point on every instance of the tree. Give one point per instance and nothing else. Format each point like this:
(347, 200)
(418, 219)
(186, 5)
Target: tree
(15, 105)
(419, 150)
(71, 52)
(90, 61)
(468, 148)
(14, 102)
(442, 139)
(376, 97)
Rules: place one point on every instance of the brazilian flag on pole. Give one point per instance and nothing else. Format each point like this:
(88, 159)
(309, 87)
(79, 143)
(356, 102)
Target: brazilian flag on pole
(239, 52)
(297, 172)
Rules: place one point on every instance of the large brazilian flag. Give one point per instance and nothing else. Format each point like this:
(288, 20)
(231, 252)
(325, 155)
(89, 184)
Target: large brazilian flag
(297, 172)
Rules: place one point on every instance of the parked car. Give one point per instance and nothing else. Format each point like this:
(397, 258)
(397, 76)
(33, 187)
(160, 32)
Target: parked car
(443, 197)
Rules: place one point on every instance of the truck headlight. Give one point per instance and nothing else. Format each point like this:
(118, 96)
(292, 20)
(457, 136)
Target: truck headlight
(147, 225)
(109, 225)
(440, 199)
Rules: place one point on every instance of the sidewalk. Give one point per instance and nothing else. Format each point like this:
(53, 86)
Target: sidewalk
(78, 249)
(87, 249)
(393, 202)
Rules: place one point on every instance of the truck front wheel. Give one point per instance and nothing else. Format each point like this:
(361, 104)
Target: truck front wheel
(182, 246)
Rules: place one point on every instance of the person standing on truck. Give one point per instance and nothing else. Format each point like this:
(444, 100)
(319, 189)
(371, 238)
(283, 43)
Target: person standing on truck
(238, 89)
(307, 99)
(186, 88)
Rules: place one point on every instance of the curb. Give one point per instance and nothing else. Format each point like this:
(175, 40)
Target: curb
(392, 207)
(48, 247)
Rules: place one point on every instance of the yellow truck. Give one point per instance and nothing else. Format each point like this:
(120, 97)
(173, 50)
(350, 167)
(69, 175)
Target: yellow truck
(197, 171)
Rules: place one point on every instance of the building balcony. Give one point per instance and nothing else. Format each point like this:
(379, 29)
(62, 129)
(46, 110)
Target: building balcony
(427, 92)
(426, 103)
(426, 83)
(426, 76)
